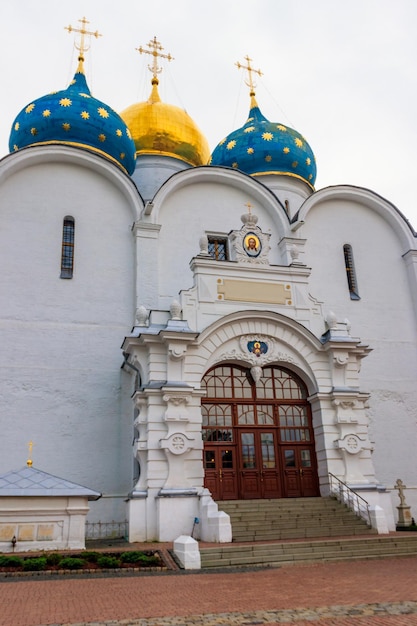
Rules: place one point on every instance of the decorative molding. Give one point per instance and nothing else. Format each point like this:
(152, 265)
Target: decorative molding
(177, 352)
(141, 404)
(344, 404)
(175, 310)
(176, 399)
(346, 410)
(273, 355)
(341, 359)
(353, 444)
(250, 244)
(177, 443)
(142, 316)
(204, 245)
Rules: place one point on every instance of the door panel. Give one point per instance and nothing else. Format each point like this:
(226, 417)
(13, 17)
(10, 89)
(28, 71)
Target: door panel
(220, 472)
(308, 473)
(250, 479)
(292, 484)
(210, 473)
(300, 474)
(271, 487)
(259, 476)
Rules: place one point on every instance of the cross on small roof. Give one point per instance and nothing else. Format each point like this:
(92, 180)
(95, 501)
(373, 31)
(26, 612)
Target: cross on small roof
(30, 447)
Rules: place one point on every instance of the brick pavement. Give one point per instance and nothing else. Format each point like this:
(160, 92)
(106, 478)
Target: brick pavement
(354, 593)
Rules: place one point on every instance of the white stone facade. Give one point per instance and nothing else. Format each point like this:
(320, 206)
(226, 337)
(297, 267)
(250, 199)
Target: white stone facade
(143, 278)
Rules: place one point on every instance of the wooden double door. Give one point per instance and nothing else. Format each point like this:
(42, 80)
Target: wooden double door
(259, 440)
(256, 467)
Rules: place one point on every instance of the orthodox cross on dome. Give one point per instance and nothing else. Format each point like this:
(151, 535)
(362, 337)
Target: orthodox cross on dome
(155, 49)
(250, 83)
(82, 46)
(29, 461)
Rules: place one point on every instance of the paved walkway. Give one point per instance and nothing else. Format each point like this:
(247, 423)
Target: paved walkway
(354, 593)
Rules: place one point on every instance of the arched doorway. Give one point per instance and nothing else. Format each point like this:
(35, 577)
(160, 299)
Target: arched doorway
(258, 438)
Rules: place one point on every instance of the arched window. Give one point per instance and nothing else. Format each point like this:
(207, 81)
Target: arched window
(67, 253)
(350, 272)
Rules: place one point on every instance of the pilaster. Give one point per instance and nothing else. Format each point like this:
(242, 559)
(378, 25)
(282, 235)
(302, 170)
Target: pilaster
(348, 403)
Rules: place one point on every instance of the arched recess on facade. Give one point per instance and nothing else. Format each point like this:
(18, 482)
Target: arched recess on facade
(259, 374)
(74, 156)
(220, 178)
(385, 209)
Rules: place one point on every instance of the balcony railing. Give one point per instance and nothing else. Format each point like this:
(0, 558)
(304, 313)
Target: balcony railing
(342, 492)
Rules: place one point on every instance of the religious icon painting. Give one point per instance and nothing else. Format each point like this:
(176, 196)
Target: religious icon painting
(252, 245)
(257, 347)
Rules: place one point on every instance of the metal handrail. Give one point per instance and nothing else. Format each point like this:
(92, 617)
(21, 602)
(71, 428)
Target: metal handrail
(342, 492)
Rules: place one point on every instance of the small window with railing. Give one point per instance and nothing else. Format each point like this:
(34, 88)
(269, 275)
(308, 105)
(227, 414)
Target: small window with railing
(350, 272)
(218, 247)
(67, 250)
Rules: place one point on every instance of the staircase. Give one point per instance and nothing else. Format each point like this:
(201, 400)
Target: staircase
(283, 532)
(292, 518)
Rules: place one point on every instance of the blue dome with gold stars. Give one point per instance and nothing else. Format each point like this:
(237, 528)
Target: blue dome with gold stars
(74, 118)
(262, 147)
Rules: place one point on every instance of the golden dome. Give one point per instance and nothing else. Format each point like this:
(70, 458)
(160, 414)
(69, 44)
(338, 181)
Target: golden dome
(159, 128)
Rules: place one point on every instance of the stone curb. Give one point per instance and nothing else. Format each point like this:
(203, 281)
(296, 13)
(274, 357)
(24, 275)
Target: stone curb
(281, 616)
(66, 572)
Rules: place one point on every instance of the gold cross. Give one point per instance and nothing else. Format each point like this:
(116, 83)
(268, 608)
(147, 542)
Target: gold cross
(155, 51)
(250, 70)
(250, 207)
(82, 46)
(29, 461)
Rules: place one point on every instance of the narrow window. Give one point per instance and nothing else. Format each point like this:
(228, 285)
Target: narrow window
(217, 247)
(67, 254)
(350, 272)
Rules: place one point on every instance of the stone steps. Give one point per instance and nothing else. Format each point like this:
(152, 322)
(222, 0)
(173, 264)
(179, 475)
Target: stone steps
(298, 518)
(283, 532)
(288, 553)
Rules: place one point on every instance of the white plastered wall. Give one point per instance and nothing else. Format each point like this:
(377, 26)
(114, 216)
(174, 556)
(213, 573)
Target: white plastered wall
(60, 359)
(385, 317)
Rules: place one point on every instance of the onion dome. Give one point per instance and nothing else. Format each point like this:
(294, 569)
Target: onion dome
(262, 147)
(73, 117)
(165, 129)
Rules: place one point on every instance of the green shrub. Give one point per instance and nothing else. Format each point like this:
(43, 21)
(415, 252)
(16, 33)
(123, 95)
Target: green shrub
(90, 556)
(53, 558)
(131, 557)
(10, 561)
(152, 559)
(108, 562)
(35, 564)
(139, 558)
(70, 562)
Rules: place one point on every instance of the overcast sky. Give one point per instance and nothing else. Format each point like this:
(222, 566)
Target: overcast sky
(343, 74)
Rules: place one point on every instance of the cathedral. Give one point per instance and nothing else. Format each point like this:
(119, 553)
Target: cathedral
(182, 326)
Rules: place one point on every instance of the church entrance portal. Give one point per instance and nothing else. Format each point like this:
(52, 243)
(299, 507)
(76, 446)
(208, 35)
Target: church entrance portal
(258, 439)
